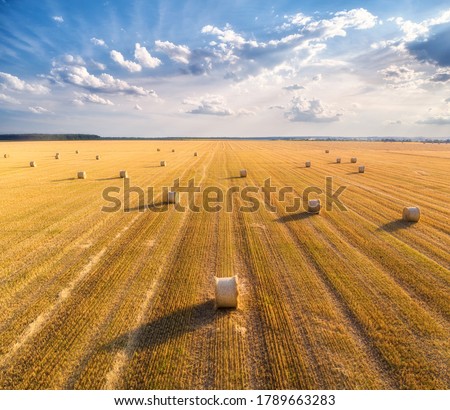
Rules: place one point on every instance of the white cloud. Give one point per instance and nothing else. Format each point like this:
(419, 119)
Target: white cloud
(209, 105)
(402, 77)
(137, 107)
(58, 19)
(144, 58)
(70, 59)
(359, 19)
(99, 66)
(38, 110)
(131, 66)
(11, 82)
(8, 99)
(98, 42)
(304, 110)
(227, 35)
(91, 98)
(105, 83)
(294, 87)
(177, 53)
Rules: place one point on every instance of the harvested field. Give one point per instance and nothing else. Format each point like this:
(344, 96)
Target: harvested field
(347, 299)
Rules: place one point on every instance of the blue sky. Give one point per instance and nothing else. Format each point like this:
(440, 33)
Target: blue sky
(236, 68)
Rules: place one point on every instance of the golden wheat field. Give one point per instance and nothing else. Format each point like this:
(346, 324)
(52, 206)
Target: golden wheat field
(353, 299)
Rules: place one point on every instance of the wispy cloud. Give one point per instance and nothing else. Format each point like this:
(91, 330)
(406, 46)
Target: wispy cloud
(38, 110)
(58, 19)
(91, 98)
(98, 42)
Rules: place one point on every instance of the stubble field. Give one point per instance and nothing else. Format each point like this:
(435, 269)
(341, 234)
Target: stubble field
(353, 299)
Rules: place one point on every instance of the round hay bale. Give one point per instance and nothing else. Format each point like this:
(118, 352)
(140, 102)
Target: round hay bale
(243, 173)
(411, 214)
(227, 292)
(157, 149)
(327, 151)
(81, 175)
(173, 150)
(123, 174)
(338, 160)
(6, 156)
(314, 206)
(171, 197)
(163, 163)
(195, 154)
(33, 164)
(361, 169)
(77, 152)
(308, 164)
(97, 157)
(353, 160)
(57, 156)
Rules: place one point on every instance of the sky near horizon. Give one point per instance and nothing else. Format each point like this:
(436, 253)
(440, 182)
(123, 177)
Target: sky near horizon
(235, 68)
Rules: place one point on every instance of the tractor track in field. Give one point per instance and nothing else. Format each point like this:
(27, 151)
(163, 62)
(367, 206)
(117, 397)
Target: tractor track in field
(123, 356)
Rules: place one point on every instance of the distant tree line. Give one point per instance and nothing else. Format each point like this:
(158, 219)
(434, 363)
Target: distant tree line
(48, 137)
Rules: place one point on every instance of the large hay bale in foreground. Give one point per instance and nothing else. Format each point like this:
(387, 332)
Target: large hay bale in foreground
(163, 163)
(227, 292)
(314, 206)
(411, 214)
(82, 175)
(353, 160)
(338, 160)
(243, 173)
(33, 164)
(171, 197)
(123, 174)
(308, 164)
(361, 169)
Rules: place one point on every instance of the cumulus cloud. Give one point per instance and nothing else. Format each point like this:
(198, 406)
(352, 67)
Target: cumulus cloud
(144, 58)
(209, 105)
(177, 53)
(91, 98)
(104, 83)
(294, 87)
(98, 42)
(38, 110)
(304, 110)
(402, 77)
(58, 19)
(13, 83)
(8, 99)
(131, 66)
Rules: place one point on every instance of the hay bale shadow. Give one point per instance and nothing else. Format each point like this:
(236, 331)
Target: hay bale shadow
(394, 226)
(166, 328)
(107, 179)
(294, 217)
(64, 179)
